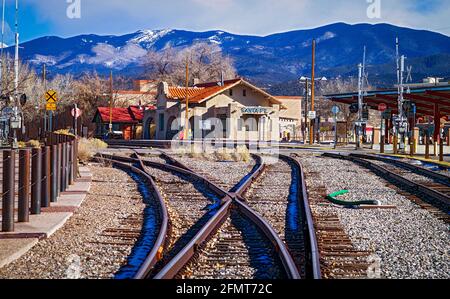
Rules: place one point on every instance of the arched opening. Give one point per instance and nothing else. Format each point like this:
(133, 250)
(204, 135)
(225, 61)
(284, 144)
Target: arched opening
(150, 129)
(173, 128)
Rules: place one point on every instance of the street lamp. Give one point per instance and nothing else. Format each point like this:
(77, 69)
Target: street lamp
(308, 82)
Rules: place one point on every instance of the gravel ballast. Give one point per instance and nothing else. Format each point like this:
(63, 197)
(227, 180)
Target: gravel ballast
(410, 241)
(88, 245)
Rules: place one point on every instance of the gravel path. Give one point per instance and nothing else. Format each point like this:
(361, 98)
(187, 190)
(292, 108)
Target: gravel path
(86, 247)
(410, 242)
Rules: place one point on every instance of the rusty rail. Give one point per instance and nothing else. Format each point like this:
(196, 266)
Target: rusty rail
(440, 200)
(415, 168)
(173, 267)
(154, 255)
(313, 261)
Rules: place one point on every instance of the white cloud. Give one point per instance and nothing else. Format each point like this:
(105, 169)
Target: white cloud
(240, 16)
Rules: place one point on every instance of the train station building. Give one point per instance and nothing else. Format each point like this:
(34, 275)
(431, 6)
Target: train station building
(229, 110)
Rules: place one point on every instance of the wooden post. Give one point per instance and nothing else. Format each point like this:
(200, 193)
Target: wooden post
(427, 145)
(395, 144)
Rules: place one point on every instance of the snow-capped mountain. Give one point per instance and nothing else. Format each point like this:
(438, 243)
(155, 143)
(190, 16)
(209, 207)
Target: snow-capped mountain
(270, 59)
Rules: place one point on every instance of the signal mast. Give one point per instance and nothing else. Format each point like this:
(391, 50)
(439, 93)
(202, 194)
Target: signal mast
(362, 92)
(401, 121)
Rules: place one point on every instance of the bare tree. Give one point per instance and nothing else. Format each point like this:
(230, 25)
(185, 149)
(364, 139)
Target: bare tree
(206, 63)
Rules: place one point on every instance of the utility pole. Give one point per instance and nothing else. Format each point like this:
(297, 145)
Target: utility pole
(111, 104)
(306, 111)
(16, 80)
(3, 44)
(186, 124)
(313, 80)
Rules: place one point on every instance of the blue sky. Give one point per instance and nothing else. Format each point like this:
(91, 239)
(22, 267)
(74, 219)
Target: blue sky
(256, 17)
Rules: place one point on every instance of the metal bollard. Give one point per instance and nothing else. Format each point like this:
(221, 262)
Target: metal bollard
(63, 167)
(36, 175)
(70, 163)
(24, 185)
(45, 188)
(58, 170)
(75, 158)
(66, 166)
(53, 174)
(9, 161)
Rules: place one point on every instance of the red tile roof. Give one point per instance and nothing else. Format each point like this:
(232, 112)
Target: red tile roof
(204, 91)
(131, 115)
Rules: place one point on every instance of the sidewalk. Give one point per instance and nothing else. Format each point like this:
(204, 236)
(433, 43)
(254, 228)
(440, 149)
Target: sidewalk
(26, 235)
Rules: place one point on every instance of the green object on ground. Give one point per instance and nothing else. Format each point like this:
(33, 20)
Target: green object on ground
(333, 199)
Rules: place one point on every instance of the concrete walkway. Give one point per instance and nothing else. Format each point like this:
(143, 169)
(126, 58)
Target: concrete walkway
(26, 235)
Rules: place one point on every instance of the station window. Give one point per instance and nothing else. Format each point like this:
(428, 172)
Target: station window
(231, 92)
(244, 92)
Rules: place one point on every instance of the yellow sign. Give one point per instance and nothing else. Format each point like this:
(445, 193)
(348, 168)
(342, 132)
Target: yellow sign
(51, 106)
(51, 96)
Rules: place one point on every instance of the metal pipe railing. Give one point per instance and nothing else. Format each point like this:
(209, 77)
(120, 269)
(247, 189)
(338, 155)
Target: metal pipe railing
(43, 174)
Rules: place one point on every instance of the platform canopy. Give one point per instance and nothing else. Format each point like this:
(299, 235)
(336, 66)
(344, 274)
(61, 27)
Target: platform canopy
(430, 100)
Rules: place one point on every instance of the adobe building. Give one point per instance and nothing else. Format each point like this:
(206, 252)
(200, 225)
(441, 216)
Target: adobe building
(291, 118)
(229, 110)
(143, 93)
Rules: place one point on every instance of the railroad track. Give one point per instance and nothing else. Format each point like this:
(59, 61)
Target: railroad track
(154, 255)
(428, 189)
(277, 196)
(235, 241)
(308, 262)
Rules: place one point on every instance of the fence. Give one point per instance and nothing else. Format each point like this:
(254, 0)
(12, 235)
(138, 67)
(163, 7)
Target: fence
(33, 179)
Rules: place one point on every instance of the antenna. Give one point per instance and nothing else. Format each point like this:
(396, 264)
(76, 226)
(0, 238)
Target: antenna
(16, 56)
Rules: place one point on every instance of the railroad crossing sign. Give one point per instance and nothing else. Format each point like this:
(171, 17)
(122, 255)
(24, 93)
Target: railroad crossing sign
(50, 106)
(51, 96)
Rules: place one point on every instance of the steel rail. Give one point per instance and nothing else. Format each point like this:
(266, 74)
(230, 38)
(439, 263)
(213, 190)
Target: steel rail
(269, 232)
(229, 200)
(435, 196)
(415, 168)
(308, 223)
(154, 255)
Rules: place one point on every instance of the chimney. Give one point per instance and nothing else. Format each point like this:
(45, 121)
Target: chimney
(222, 82)
(196, 81)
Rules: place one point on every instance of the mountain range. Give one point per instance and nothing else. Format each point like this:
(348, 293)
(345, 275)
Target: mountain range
(265, 60)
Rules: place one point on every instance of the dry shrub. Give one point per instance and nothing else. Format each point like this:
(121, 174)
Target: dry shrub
(87, 148)
(243, 153)
(64, 132)
(34, 144)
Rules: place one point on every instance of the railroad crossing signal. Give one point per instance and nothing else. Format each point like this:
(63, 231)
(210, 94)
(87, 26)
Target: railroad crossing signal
(51, 96)
(50, 106)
